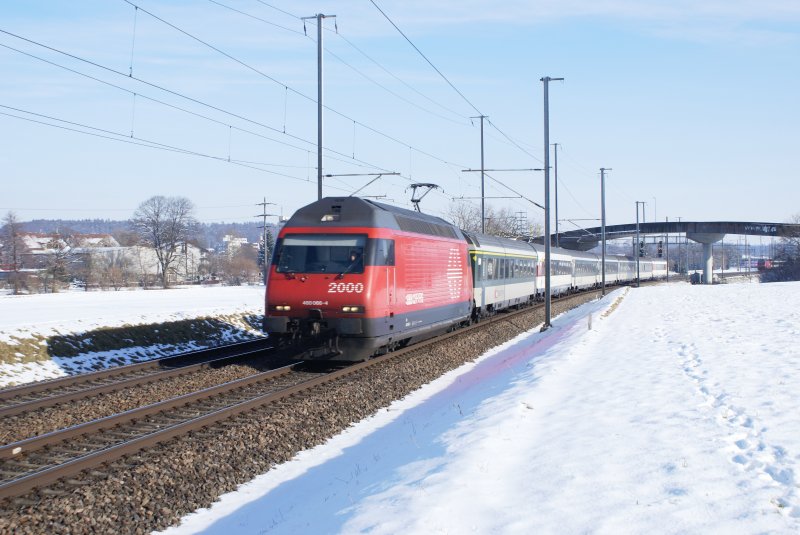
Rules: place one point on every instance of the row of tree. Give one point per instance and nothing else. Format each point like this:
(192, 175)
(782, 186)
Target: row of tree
(165, 225)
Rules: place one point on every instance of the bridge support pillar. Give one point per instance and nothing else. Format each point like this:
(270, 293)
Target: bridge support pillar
(708, 266)
(707, 239)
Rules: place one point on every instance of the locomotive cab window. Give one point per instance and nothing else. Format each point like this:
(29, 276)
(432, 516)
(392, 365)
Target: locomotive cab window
(321, 253)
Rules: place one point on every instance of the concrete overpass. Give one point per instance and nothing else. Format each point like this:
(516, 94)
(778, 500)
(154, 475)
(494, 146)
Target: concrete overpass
(706, 233)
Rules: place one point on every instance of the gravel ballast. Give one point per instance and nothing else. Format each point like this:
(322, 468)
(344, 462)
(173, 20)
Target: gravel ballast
(154, 489)
(45, 420)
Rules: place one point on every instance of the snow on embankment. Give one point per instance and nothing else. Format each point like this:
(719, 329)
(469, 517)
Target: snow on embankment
(51, 335)
(675, 413)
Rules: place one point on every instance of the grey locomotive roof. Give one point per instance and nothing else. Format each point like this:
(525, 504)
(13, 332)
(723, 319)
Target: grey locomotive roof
(358, 212)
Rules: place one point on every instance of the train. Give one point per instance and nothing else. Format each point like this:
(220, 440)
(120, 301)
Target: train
(360, 277)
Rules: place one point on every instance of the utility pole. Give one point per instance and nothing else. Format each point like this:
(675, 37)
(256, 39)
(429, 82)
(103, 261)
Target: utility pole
(483, 172)
(319, 17)
(546, 81)
(667, 248)
(555, 169)
(603, 223)
(655, 210)
(680, 256)
(263, 226)
(638, 244)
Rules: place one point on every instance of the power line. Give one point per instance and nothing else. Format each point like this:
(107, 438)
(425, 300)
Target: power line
(216, 108)
(288, 88)
(347, 157)
(378, 132)
(133, 140)
(387, 71)
(513, 142)
(167, 104)
(255, 17)
(426, 58)
(367, 77)
(278, 9)
(454, 88)
(395, 94)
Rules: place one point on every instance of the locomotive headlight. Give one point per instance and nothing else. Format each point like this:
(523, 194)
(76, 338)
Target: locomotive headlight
(283, 308)
(352, 309)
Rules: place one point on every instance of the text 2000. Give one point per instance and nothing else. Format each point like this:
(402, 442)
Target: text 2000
(345, 287)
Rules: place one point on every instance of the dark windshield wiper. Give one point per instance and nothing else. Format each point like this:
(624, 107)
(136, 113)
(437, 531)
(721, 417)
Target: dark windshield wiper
(348, 270)
(289, 273)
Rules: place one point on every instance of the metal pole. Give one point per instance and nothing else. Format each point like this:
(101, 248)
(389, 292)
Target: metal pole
(667, 249)
(603, 223)
(686, 239)
(638, 244)
(483, 192)
(264, 215)
(319, 17)
(319, 105)
(546, 81)
(555, 169)
(266, 249)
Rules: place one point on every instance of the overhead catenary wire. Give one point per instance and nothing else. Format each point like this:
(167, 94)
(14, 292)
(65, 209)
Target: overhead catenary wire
(254, 17)
(124, 138)
(439, 72)
(345, 158)
(355, 69)
(409, 86)
(278, 9)
(295, 91)
(133, 40)
(286, 88)
(360, 51)
(348, 157)
(449, 165)
(396, 27)
(449, 82)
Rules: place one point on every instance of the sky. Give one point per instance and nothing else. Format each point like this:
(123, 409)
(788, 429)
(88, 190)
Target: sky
(692, 105)
(674, 413)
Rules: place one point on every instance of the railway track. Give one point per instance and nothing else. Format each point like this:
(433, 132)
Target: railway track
(40, 461)
(152, 489)
(25, 398)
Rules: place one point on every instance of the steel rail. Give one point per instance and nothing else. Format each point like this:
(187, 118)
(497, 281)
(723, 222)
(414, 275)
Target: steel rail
(28, 445)
(18, 485)
(72, 467)
(136, 373)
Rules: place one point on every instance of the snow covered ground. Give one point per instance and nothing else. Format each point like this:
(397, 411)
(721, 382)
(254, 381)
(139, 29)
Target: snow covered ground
(71, 312)
(677, 412)
(46, 315)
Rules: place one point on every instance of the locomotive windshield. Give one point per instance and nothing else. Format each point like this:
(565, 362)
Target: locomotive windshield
(321, 253)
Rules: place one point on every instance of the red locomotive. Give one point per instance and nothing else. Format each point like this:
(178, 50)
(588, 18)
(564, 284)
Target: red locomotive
(366, 277)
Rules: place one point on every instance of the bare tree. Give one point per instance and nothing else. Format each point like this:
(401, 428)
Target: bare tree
(502, 222)
(465, 216)
(164, 223)
(12, 248)
(240, 267)
(113, 270)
